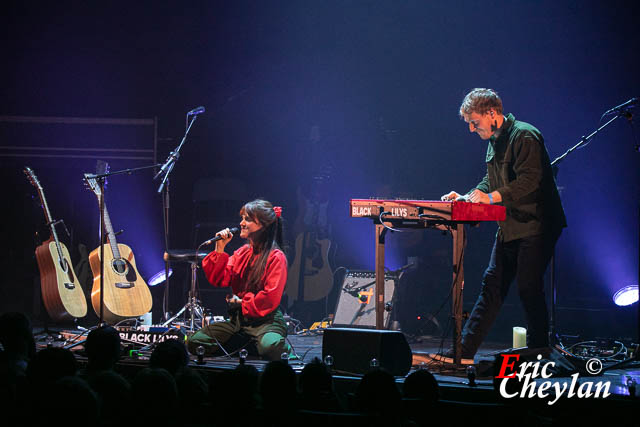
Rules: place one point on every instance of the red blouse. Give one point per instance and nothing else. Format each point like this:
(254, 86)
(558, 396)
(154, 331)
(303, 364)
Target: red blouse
(223, 270)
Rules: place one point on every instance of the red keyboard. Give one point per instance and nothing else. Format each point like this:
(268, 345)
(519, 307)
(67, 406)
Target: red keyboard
(426, 210)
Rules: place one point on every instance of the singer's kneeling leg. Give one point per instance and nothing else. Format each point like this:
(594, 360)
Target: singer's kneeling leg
(271, 346)
(212, 337)
(270, 336)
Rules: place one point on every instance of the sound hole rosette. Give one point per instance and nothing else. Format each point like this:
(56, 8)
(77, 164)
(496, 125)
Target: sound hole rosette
(120, 266)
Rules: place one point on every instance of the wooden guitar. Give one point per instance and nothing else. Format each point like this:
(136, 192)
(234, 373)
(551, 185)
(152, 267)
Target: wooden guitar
(310, 277)
(126, 294)
(62, 294)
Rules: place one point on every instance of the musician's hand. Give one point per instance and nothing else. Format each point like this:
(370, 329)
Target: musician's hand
(450, 197)
(477, 196)
(226, 238)
(234, 301)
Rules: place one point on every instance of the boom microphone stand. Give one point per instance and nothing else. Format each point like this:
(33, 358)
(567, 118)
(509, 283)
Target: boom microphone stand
(622, 110)
(164, 171)
(636, 355)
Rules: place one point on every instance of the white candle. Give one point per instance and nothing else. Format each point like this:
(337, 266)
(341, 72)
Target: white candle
(519, 337)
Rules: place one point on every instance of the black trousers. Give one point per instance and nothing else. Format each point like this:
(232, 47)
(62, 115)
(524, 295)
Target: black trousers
(526, 261)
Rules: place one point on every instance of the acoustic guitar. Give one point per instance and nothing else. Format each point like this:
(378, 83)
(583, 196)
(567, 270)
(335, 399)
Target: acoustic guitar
(62, 294)
(310, 277)
(126, 294)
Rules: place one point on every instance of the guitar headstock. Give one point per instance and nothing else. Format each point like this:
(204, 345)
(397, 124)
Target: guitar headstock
(33, 179)
(92, 182)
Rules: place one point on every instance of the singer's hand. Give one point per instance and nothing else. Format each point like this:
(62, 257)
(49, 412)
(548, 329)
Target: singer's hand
(234, 301)
(450, 196)
(226, 238)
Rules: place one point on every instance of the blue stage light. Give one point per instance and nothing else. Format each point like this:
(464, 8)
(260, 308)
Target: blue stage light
(626, 296)
(158, 278)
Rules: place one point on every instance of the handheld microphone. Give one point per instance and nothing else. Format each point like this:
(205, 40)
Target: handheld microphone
(629, 103)
(196, 111)
(233, 230)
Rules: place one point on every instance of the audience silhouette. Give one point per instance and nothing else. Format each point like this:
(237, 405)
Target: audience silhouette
(102, 348)
(171, 355)
(170, 390)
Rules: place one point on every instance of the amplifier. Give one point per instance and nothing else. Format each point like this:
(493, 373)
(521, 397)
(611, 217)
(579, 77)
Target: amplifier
(356, 303)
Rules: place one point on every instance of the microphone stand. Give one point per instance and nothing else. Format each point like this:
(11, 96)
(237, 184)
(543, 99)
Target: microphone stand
(636, 355)
(585, 139)
(164, 171)
(621, 112)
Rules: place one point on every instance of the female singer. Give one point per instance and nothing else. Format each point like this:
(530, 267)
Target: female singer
(256, 273)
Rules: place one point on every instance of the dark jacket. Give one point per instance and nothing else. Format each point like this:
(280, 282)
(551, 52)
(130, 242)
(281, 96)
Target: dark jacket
(518, 167)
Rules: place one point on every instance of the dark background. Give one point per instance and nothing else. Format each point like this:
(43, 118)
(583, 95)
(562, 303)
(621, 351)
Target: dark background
(382, 83)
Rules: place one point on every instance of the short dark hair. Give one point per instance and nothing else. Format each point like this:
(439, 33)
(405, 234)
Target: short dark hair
(103, 347)
(481, 100)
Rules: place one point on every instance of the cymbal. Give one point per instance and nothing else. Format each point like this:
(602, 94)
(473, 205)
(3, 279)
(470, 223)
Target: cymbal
(183, 255)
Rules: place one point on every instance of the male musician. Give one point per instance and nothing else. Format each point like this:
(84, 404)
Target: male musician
(519, 176)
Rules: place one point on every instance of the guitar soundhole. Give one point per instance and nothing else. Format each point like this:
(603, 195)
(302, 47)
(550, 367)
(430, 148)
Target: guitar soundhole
(119, 266)
(64, 265)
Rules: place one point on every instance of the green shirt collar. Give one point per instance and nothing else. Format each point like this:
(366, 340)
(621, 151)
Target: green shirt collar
(506, 125)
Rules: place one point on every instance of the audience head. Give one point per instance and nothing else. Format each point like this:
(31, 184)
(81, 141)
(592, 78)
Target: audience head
(171, 355)
(247, 378)
(16, 336)
(278, 386)
(114, 394)
(421, 384)
(377, 392)
(315, 379)
(50, 364)
(103, 348)
(67, 391)
(153, 385)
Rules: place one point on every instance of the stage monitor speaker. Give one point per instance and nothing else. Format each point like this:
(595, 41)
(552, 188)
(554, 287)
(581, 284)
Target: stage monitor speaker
(356, 303)
(353, 349)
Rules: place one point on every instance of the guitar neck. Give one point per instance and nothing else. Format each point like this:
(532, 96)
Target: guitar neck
(98, 189)
(111, 236)
(49, 220)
